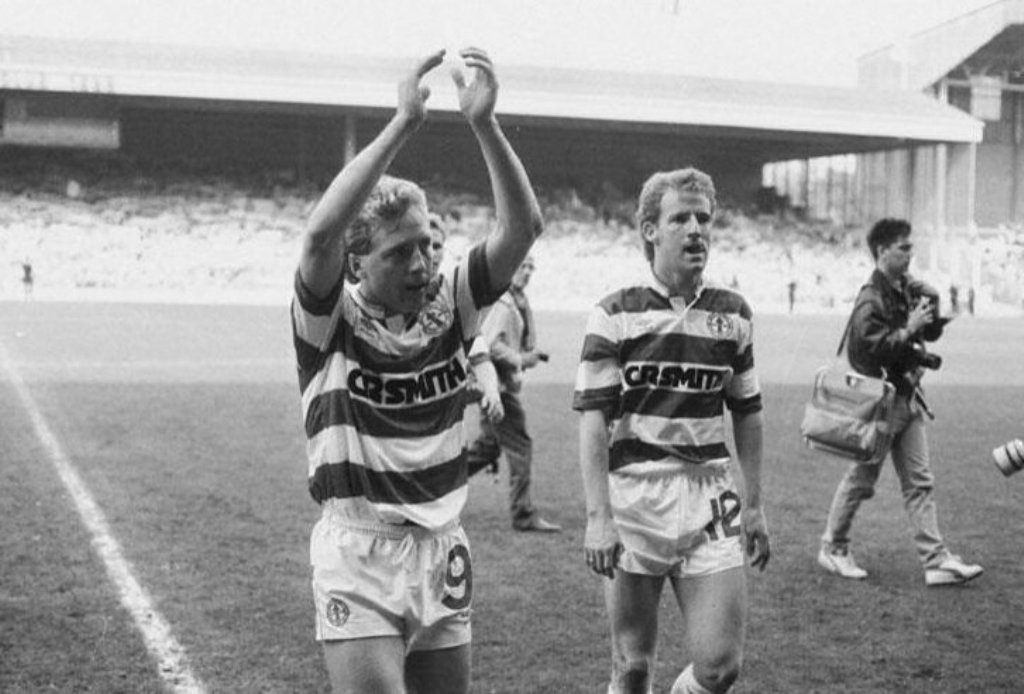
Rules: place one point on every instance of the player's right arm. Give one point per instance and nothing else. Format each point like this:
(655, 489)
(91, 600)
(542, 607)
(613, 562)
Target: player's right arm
(601, 544)
(596, 397)
(322, 258)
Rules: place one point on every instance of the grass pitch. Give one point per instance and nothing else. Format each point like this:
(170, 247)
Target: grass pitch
(184, 423)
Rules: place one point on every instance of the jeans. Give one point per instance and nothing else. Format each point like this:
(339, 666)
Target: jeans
(910, 459)
(511, 436)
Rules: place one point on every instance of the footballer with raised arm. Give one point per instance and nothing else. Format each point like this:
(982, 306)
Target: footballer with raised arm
(382, 369)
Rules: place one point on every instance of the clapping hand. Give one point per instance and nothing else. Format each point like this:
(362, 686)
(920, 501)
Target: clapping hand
(413, 94)
(478, 96)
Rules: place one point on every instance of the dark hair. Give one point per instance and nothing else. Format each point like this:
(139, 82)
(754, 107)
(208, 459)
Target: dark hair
(689, 179)
(885, 232)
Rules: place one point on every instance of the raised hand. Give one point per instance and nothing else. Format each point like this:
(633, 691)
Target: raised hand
(477, 97)
(412, 94)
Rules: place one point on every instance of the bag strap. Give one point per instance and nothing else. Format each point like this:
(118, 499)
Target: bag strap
(849, 322)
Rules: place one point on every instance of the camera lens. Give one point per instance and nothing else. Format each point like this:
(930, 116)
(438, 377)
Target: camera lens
(1009, 457)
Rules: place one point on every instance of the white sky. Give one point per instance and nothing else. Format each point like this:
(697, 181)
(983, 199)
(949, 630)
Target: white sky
(805, 41)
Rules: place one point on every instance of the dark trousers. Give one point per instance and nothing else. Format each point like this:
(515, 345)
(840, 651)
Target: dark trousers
(510, 436)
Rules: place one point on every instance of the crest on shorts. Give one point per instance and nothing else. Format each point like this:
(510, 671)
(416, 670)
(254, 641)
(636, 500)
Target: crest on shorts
(435, 317)
(337, 612)
(719, 325)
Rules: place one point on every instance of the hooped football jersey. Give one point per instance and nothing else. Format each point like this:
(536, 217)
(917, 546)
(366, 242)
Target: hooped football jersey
(663, 372)
(383, 408)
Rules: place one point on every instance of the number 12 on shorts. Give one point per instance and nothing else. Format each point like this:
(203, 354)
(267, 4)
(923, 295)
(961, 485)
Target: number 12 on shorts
(725, 514)
(458, 579)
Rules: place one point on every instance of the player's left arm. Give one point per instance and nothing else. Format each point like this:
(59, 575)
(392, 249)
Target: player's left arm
(743, 397)
(516, 207)
(748, 432)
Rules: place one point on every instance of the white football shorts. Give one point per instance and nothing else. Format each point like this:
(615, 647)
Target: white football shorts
(680, 524)
(377, 579)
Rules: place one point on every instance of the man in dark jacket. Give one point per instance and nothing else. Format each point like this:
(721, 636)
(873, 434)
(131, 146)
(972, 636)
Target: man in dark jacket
(893, 317)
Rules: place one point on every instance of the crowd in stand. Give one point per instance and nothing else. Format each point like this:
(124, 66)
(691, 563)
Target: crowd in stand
(105, 227)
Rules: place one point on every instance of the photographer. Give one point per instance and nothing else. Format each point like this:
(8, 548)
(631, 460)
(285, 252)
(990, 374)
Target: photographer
(893, 317)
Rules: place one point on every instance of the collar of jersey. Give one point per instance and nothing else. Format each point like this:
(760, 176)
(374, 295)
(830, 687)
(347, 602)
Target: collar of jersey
(655, 284)
(396, 322)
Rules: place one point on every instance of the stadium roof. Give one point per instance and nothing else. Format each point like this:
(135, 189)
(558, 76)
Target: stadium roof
(989, 40)
(761, 120)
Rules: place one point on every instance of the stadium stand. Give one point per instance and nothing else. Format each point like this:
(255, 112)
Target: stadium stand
(99, 225)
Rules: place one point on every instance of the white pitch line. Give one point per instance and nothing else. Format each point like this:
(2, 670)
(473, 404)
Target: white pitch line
(156, 632)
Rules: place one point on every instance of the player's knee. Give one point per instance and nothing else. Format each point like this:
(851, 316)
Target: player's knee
(862, 493)
(719, 675)
(632, 675)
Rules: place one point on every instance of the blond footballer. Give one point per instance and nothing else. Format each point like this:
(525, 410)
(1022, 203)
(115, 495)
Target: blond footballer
(661, 362)
(382, 368)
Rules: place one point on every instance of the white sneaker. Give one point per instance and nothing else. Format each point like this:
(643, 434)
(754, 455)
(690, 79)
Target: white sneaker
(951, 571)
(840, 561)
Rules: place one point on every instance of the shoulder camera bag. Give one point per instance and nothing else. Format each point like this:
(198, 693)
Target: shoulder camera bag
(849, 414)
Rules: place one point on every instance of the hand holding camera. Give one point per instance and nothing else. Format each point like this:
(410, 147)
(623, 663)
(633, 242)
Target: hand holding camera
(532, 357)
(921, 315)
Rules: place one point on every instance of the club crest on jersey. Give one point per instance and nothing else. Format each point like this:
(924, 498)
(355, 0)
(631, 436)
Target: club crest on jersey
(720, 325)
(435, 317)
(337, 612)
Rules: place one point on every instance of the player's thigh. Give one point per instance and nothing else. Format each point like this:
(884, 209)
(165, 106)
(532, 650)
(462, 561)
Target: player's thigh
(715, 609)
(632, 601)
(444, 671)
(375, 664)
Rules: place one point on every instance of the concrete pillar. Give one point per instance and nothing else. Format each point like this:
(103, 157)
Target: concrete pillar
(302, 163)
(1016, 190)
(972, 187)
(910, 164)
(941, 173)
(351, 145)
(941, 179)
(806, 186)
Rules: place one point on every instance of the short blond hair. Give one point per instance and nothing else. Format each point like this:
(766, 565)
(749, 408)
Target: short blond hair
(389, 201)
(690, 180)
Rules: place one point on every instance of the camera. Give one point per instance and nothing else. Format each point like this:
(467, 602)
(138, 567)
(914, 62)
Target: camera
(1009, 457)
(923, 357)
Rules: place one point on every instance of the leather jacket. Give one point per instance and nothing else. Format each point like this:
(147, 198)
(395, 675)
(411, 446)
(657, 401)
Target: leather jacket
(879, 343)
